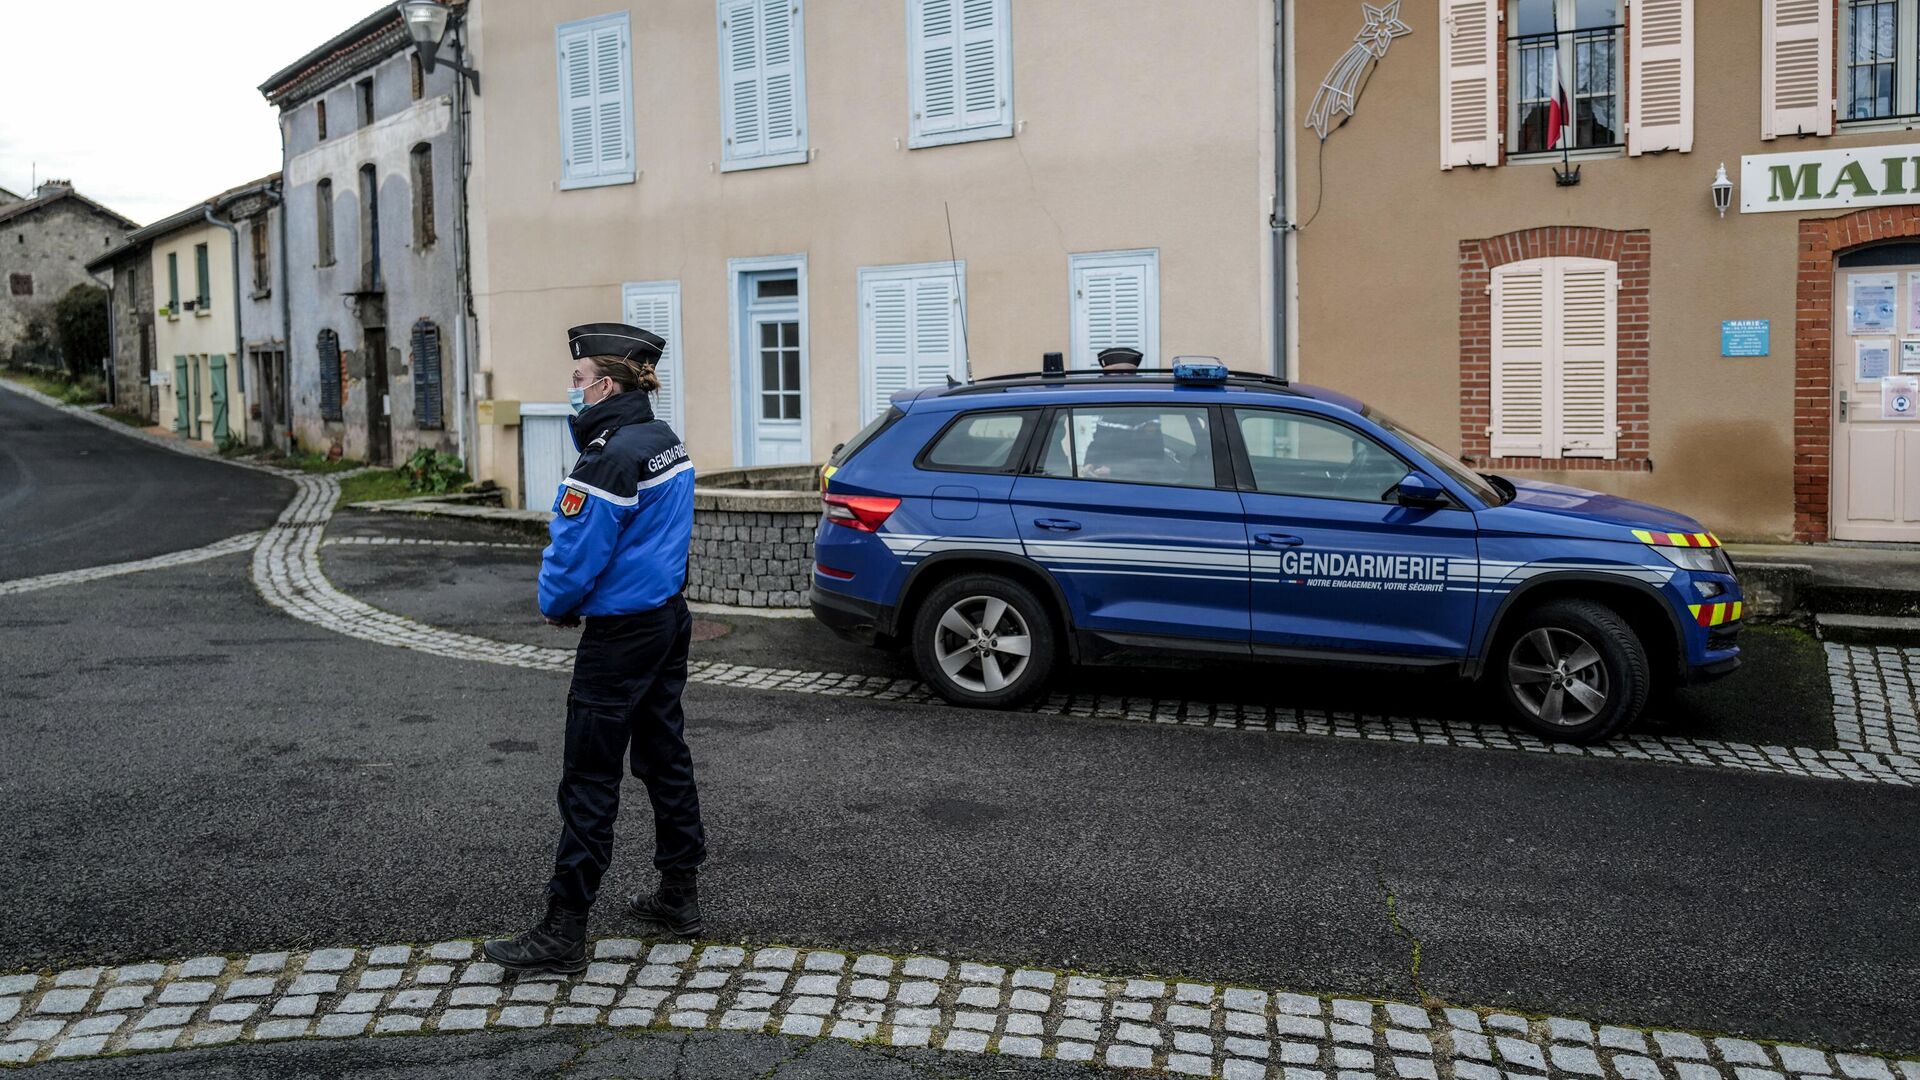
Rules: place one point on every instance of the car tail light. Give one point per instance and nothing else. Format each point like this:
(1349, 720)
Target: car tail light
(833, 572)
(863, 512)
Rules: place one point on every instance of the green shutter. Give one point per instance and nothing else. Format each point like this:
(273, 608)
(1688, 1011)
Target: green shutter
(200, 274)
(173, 282)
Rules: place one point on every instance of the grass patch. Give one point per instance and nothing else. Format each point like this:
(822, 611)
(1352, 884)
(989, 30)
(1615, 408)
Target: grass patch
(374, 484)
(55, 384)
(130, 419)
(303, 461)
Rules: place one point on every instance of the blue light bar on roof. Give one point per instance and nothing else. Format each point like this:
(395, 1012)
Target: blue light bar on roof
(1200, 372)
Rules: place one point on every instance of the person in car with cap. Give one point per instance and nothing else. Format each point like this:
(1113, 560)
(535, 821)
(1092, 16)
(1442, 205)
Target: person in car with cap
(622, 529)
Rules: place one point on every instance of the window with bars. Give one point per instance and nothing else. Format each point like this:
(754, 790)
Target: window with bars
(1564, 75)
(1877, 60)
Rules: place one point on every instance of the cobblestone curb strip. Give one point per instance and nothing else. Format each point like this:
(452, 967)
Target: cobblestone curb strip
(232, 545)
(1188, 1028)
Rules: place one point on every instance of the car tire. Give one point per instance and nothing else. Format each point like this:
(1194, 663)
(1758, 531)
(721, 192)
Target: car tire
(968, 636)
(1572, 671)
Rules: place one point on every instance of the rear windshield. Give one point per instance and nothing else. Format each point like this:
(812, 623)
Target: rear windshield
(979, 442)
(845, 451)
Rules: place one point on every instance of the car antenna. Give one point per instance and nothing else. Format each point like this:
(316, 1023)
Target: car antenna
(953, 261)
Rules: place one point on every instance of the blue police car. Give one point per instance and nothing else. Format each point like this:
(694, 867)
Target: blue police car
(1006, 526)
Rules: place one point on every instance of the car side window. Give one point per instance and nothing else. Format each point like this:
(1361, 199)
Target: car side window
(981, 442)
(1141, 444)
(1296, 454)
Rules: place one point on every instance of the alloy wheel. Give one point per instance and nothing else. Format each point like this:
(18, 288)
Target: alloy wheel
(983, 644)
(1558, 676)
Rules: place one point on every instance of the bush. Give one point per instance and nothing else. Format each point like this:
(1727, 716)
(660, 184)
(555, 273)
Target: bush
(430, 470)
(80, 328)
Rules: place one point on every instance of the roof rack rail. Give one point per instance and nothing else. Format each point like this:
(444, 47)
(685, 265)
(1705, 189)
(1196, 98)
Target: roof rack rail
(1100, 378)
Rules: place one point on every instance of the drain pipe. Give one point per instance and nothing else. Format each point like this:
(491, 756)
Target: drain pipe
(1277, 224)
(285, 381)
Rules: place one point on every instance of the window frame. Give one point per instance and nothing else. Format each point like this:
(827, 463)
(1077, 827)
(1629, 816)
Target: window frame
(1906, 70)
(1016, 458)
(425, 225)
(1510, 108)
(1077, 344)
(740, 272)
(729, 160)
(910, 273)
(323, 242)
(1003, 128)
(202, 279)
(16, 279)
(1247, 483)
(1220, 448)
(571, 178)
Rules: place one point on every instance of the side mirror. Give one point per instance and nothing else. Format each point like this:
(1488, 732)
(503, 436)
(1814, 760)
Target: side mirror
(1418, 489)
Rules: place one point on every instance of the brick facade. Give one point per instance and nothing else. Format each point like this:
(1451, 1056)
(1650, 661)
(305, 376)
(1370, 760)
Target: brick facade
(1820, 241)
(1631, 251)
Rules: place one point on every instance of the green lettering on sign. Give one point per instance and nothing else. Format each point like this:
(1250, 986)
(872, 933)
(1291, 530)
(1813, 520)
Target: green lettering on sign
(1790, 182)
(1896, 176)
(1855, 177)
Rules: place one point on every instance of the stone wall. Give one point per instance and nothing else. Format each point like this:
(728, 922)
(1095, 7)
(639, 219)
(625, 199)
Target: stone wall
(50, 245)
(753, 548)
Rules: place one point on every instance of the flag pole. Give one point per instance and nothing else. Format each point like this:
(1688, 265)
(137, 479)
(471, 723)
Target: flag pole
(1567, 174)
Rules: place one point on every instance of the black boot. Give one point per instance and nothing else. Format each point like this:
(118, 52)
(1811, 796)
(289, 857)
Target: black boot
(558, 943)
(673, 908)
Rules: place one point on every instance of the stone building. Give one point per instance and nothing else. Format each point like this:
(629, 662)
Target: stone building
(370, 183)
(45, 242)
(130, 300)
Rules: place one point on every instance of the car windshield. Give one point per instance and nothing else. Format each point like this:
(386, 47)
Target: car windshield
(1441, 460)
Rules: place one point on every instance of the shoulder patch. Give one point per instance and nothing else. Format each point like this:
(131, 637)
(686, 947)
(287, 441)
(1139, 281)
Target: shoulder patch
(572, 502)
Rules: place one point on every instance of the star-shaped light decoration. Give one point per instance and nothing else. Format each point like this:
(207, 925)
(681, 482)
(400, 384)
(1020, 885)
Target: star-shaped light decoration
(1340, 90)
(1382, 26)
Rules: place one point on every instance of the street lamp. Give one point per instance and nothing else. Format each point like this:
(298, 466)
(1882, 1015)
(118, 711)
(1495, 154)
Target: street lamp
(427, 22)
(1722, 190)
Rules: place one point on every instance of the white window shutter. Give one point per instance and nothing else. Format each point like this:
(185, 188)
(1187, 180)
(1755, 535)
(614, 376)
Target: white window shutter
(743, 118)
(1660, 91)
(1469, 87)
(1586, 299)
(579, 156)
(655, 307)
(1796, 68)
(614, 127)
(981, 102)
(890, 342)
(1522, 359)
(936, 330)
(780, 71)
(936, 48)
(1114, 299)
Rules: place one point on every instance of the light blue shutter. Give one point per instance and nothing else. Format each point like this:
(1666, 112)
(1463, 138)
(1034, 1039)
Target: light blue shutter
(936, 335)
(889, 333)
(937, 50)
(740, 31)
(613, 127)
(578, 155)
(780, 72)
(655, 308)
(981, 101)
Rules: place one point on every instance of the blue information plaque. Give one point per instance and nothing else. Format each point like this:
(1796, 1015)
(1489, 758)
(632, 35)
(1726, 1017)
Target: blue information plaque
(1744, 337)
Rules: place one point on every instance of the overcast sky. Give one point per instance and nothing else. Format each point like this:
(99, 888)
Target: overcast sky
(146, 106)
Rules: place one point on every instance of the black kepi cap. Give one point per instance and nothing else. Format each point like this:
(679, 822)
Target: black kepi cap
(615, 339)
(1119, 354)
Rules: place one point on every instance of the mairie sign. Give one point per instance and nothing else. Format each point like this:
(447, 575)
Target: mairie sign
(1830, 179)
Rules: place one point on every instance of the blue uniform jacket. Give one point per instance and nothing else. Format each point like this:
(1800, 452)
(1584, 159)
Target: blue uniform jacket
(623, 520)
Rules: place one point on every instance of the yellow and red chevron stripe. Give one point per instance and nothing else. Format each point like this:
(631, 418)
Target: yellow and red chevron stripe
(1715, 614)
(1673, 539)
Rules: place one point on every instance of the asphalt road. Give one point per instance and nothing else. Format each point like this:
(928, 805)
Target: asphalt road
(73, 494)
(190, 770)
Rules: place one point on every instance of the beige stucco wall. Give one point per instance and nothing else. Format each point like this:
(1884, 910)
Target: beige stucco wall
(1379, 278)
(195, 335)
(1166, 149)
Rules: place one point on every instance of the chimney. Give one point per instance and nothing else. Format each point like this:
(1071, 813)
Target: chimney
(51, 187)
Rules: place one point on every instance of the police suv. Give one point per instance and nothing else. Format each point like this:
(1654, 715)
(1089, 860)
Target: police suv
(1002, 527)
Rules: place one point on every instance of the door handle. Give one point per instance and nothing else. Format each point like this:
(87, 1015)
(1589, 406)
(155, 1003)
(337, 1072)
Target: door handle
(1843, 406)
(1057, 524)
(1277, 540)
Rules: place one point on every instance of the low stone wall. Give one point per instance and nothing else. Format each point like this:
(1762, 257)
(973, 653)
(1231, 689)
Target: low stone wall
(752, 547)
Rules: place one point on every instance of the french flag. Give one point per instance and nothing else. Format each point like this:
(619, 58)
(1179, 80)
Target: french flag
(1559, 114)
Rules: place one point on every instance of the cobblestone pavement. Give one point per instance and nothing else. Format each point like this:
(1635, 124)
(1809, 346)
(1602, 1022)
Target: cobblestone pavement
(1186, 1028)
(233, 545)
(1874, 698)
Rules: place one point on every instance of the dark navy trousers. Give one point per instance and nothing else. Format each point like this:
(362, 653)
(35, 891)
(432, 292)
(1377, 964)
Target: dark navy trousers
(627, 677)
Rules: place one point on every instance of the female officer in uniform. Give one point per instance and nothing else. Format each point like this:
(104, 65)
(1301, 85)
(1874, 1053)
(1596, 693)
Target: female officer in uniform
(622, 527)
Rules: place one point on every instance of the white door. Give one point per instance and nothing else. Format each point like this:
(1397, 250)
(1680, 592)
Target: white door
(1116, 301)
(1876, 454)
(546, 456)
(779, 399)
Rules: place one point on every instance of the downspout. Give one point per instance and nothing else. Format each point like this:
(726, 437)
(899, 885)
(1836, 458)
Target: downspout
(462, 272)
(285, 379)
(113, 338)
(1278, 225)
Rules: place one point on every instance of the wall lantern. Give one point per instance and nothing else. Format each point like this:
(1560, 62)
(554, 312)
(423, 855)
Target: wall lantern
(427, 22)
(1722, 190)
